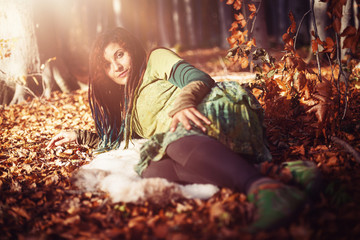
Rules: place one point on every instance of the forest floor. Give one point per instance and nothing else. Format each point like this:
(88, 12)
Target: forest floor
(38, 200)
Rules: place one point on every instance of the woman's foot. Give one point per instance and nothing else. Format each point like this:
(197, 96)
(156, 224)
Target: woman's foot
(275, 202)
(303, 174)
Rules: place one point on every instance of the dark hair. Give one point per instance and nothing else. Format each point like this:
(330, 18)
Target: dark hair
(111, 103)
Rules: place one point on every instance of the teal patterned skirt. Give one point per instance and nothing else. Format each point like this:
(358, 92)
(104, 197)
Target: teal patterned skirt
(237, 122)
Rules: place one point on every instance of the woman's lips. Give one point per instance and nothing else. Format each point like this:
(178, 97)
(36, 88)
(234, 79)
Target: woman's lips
(124, 73)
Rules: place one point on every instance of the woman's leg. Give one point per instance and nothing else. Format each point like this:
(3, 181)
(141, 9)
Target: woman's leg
(167, 168)
(201, 159)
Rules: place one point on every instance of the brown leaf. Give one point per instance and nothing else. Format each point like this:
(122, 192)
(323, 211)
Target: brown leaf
(298, 150)
(160, 230)
(21, 212)
(337, 25)
(72, 220)
(138, 223)
(329, 46)
(349, 42)
(349, 30)
(320, 111)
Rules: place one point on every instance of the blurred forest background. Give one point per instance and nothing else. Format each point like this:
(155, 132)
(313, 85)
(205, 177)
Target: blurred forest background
(310, 94)
(45, 44)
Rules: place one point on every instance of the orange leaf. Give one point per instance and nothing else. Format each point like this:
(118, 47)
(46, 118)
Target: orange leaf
(319, 41)
(329, 44)
(241, 20)
(252, 7)
(237, 5)
(292, 27)
(244, 62)
(238, 36)
(234, 26)
(286, 37)
(252, 15)
(232, 41)
(314, 46)
(251, 43)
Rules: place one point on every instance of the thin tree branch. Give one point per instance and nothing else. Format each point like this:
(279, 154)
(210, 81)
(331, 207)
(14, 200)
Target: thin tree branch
(347, 147)
(341, 73)
(316, 36)
(298, 30)
(257, 11)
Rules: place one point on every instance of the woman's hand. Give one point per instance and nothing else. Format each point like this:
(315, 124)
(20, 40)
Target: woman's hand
(62, 138)
(184, 116)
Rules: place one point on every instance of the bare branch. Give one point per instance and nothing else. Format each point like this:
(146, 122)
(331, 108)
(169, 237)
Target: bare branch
(347, 147)
(341, 73)
(316, 36)
(298, 30)
(257, 11)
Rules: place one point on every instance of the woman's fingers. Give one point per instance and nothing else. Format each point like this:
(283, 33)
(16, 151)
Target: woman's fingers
(202, 117)
(174, 124)
(53, 141)
(189, 114)
(61, 139)
(61, 142)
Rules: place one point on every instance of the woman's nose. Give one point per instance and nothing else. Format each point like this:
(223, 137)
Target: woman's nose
(117, 66)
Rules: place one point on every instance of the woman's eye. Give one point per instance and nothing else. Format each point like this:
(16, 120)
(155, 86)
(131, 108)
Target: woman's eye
(119, 54)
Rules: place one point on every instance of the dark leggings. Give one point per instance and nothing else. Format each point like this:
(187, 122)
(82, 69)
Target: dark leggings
(201, 159)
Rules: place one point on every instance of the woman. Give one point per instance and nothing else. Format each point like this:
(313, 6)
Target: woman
(199, 131)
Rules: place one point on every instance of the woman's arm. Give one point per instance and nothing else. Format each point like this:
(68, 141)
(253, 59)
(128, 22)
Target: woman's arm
(194, 84)
(80, 137)
(87, 138)
(185, 104)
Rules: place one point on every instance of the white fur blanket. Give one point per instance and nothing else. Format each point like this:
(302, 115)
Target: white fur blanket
(113, 172)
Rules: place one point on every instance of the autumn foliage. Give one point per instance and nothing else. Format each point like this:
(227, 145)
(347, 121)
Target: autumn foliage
(307, 117)
(291, 84)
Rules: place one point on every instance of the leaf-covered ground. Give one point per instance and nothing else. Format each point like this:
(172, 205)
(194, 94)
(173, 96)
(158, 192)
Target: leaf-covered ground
(38, 201)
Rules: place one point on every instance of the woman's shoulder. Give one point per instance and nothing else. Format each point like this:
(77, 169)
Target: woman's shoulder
(163, 54)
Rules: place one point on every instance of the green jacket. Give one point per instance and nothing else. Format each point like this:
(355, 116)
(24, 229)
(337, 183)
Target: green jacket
(165, 76)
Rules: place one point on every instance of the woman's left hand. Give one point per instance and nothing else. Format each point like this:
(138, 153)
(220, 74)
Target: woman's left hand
(184, 116)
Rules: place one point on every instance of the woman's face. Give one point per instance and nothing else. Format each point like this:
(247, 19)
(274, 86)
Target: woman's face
(118, 63)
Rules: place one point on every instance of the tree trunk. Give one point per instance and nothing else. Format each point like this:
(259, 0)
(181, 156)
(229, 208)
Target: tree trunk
(322, 20)
(225, 20)
(21, 49)
(299, 9)
(348, 14)
(190, 23)
(118, 8)
(259, 29)
(162, 9)
(68, 39)
(176, 21)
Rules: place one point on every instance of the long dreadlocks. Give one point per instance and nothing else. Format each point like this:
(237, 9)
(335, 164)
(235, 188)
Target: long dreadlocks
(111, 103)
